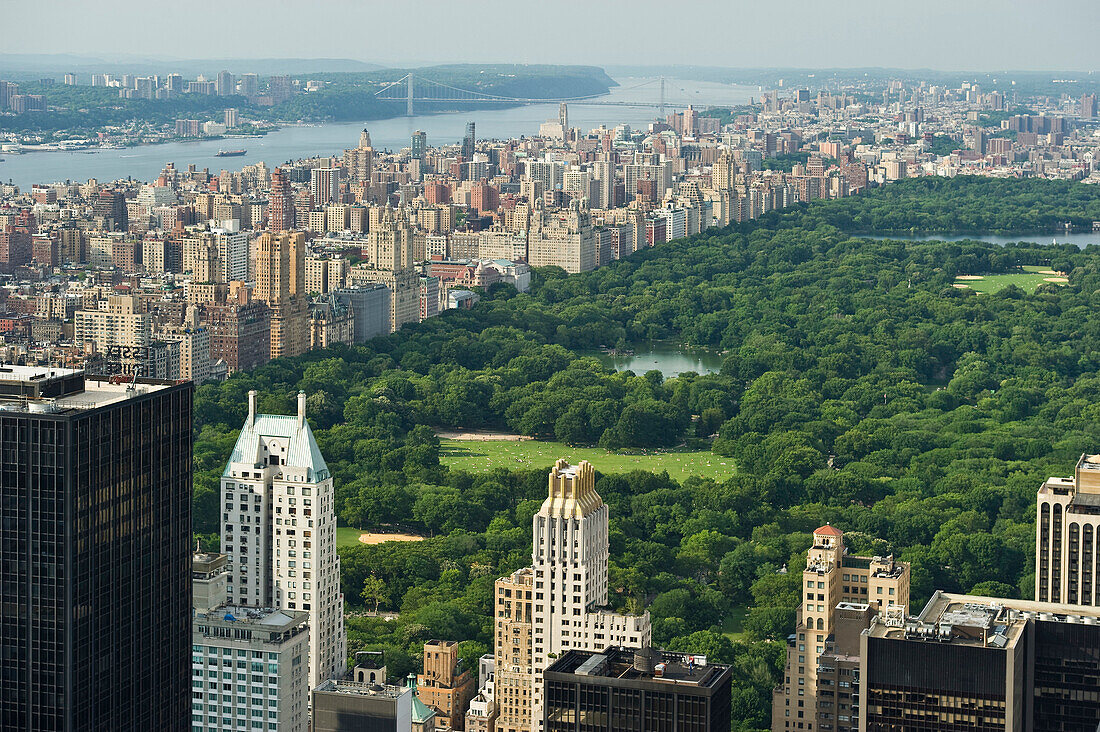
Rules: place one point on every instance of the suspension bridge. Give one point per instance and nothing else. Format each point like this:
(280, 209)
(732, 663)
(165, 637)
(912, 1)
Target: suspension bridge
(413, 89)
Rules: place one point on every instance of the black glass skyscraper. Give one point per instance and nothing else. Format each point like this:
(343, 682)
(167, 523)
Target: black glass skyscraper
(95, 532)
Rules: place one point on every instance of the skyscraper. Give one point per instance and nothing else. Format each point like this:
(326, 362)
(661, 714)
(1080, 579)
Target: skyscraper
(324, 185)
(1067, 530)
(227, 86)
(469, 142)
(557, 604)
(419, 144)
(839, 591)
(95, 535)
(280, 282)
(359, 161)
(279, 531)
(280, 207)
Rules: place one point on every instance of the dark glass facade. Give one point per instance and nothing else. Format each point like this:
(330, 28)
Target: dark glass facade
(629, 702)
(1066, 678)
(95, 565)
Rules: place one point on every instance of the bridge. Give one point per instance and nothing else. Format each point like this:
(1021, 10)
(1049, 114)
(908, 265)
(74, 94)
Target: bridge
(412, 89)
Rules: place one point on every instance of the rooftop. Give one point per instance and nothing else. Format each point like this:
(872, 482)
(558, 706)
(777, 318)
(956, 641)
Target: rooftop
(46, 389)
(362, 688)
(665, 667)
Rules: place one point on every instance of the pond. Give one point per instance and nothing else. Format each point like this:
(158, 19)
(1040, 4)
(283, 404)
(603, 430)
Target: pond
(670, 359)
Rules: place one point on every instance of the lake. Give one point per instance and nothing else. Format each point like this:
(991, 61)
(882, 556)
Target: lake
(292, 142)
(1080, 238)
(668, 358)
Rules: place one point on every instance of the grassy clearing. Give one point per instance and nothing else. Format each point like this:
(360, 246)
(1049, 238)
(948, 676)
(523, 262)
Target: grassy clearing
(1028, 280)
(347, 536)
(482, 456)
(732, 625)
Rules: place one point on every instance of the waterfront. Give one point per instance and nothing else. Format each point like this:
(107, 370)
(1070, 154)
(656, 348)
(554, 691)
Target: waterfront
(292, 142)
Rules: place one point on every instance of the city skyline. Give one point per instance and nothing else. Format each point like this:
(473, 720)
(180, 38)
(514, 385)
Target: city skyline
(943, 36)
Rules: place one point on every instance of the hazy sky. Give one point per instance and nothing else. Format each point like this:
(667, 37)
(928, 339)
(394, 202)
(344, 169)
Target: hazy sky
(942, 34)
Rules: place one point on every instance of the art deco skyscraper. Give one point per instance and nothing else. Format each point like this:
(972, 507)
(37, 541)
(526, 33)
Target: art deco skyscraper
(95, 552)
(279, 530)
(557, 604)
(280, 283)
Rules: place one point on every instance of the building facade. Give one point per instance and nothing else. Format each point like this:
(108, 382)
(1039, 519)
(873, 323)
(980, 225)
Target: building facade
(279, 531)
(95, 548)
(1067, 525)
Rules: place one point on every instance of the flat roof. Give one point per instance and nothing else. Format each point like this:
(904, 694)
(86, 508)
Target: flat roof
(28, 388)
(619, 663)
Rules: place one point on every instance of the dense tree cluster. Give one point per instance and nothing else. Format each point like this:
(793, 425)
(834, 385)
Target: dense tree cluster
(859, 388)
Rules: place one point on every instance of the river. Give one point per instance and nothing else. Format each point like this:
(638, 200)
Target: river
(1081, 238)
(300, 141)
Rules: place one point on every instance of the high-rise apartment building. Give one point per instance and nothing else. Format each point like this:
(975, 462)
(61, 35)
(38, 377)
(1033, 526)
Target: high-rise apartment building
(835, 586)
(392, 262)
(557, 604)
(280, 283)
(227, 85)
(324, 185)
(469, 142)
(280, 203)
(279, 531)
(95, 551)
(359, 161)
(122, 332)
(248, 664)
(1067, 531)
(419, 144)
(563, 239)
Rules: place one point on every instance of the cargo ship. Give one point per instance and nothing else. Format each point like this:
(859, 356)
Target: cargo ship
(230, 153)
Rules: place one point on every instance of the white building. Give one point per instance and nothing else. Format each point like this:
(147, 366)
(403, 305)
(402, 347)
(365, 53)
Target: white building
(279, 530)
(248, 665)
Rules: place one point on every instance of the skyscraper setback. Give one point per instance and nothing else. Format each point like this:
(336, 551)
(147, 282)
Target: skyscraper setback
(95, 547)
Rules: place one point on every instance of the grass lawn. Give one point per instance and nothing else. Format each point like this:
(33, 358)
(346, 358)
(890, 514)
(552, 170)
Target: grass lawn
(482, 456)
(731, 628)
(1028, 280)
(347, 536)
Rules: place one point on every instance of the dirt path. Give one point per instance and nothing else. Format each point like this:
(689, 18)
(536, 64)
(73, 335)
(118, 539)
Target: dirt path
(480, 435)
(369, 538)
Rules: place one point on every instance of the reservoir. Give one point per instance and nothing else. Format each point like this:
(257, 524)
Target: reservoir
(668, 358)
(1080, 238)
(292, 142)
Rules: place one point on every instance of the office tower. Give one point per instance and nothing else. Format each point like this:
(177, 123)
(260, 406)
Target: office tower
(280, 207)
(445, 684)
(324, 185)
(419, 144)
(226, 84)
(359, 162)
(982, 663)
(469, 142)
(280, 283)
(279, 530)
(263, 650)
(95, 530)
(557, 604)
(1067, 530)
(637, 689)
(563, 239)
(835, 585)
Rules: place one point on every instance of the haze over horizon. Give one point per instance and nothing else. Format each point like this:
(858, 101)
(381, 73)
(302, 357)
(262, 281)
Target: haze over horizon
(943, 35)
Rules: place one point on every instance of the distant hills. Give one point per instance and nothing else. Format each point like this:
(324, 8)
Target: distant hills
(16, 66)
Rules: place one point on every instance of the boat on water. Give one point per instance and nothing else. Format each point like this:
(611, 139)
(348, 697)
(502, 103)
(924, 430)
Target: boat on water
(230, 153)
